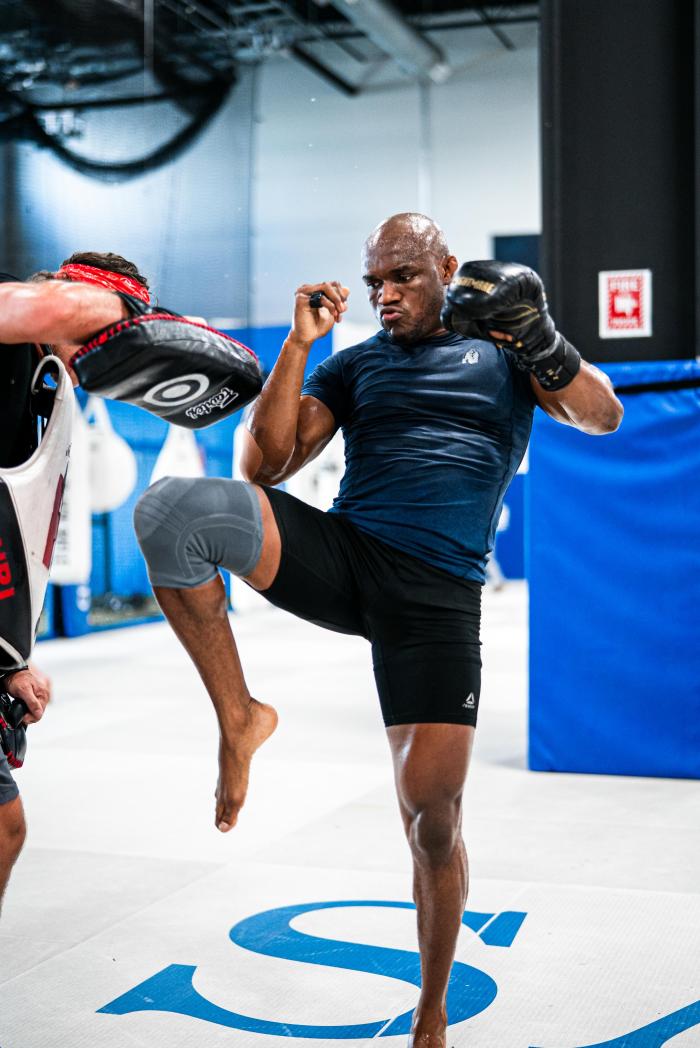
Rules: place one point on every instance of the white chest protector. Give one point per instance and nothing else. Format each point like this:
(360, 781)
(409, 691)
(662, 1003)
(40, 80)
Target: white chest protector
(30, 505)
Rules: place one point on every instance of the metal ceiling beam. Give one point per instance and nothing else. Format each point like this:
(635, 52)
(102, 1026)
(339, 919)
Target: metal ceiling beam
(134, 7)
(327, 74)
(502, 37)
(389, 30)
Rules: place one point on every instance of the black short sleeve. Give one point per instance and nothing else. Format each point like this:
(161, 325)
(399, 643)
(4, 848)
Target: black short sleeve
(327, 384)
(522, 383)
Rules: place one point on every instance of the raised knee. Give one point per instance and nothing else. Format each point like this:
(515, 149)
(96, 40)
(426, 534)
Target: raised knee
(165, 518)
(153, 510)
(434, 833)
(189, 527)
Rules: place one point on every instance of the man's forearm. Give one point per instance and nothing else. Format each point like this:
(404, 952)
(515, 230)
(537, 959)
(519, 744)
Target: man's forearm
(55, 312)
(275, 416)
(588, 402)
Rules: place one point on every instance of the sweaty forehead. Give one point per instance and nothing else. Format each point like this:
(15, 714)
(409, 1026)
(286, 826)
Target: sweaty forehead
(385, 256)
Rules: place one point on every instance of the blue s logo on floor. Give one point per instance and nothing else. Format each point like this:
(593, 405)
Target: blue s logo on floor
(270, 934)
(657, 1033)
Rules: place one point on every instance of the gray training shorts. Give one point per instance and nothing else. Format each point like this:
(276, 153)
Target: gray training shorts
(8, 786)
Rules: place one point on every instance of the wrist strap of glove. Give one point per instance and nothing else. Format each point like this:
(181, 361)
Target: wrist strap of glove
(554, 367)
(6, 674)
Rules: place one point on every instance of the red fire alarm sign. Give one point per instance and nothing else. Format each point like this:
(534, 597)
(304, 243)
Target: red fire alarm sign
(624, 303)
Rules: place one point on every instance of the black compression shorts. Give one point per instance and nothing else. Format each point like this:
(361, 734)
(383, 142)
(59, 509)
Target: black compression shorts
(423, 623)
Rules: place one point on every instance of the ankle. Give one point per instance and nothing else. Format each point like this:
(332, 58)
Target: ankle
(235, 719)
(429, 1015)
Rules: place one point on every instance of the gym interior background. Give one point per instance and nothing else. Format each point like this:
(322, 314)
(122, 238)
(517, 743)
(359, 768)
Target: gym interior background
(234, 151)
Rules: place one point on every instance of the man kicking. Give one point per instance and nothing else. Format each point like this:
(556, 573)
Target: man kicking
(435, 425)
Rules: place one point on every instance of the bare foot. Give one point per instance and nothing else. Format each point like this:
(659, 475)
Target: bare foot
(429, 1031)
(235, 756)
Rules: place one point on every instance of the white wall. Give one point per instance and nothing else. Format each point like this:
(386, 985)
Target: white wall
(329, 168)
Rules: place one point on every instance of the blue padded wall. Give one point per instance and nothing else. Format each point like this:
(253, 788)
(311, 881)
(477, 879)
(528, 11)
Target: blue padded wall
(266, 342)
(510, 543)
(613, 544)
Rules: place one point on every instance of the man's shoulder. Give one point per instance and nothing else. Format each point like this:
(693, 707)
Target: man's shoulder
(520, 377)
(344, 360)
(350, 353)
(503, 362)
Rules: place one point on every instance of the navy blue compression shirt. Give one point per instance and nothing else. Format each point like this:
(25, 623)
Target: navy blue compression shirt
(433, 434)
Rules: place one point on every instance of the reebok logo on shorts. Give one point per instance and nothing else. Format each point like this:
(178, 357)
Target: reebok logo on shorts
(470, 701)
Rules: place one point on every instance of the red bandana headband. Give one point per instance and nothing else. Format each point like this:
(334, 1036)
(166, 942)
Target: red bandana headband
(104, 278)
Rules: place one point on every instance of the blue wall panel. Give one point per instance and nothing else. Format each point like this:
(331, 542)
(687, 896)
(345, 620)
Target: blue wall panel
(266, 342)
(510, 543)
(613, 536)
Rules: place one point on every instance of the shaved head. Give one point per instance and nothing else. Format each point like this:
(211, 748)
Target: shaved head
(409, 231)
(406, 265)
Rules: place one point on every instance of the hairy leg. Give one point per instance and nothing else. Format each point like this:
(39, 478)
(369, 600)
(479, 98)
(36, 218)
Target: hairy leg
(430, 767)
(12, 833)
(199, 617)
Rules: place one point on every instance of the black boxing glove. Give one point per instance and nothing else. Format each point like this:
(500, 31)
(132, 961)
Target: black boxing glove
(13, 734)
(178, 369)
(510, 298)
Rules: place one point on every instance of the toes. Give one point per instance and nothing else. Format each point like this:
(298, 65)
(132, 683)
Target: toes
(226, 816)
(226, 820)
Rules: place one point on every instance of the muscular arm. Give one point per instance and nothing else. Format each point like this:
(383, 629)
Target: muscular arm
(286, 430)
(588, 402)
(55, 312)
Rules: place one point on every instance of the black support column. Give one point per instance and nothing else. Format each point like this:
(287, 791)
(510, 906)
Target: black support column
(620, 92)
(10, 211)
